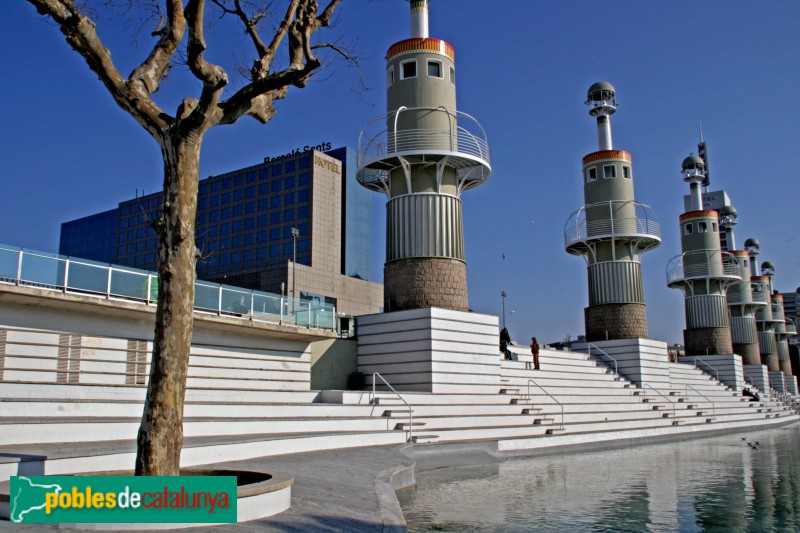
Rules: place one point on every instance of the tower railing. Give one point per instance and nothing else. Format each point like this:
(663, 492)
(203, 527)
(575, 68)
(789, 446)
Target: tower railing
(613, 219)
(703, 264)
(384, 139)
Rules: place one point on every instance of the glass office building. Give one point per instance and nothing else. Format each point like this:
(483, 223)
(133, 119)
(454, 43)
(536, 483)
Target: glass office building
(244, 226)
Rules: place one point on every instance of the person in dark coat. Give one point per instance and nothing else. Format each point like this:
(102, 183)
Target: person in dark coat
(505, 340)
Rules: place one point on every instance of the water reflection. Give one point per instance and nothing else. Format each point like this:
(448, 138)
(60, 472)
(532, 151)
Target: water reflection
(712, 485)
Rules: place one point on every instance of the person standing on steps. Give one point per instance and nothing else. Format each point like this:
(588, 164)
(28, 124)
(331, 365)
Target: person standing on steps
(505, 340)
(535, 353)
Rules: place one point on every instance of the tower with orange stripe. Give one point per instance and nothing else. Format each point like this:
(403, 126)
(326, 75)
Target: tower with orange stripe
(422, 154)
(703, 272)
(611, 231)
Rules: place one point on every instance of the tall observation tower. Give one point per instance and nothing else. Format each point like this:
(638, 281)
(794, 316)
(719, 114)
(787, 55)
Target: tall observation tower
(764, 323)
(611, 231)
(741, 304)
(422, 155)
(778, 321)
(703, 271)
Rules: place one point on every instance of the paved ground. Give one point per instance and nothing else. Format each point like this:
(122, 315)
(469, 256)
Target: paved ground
(333, 491)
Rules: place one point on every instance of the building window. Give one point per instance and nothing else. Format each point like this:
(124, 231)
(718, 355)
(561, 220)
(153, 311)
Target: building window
(688, 229)
(390, 76)
(626, 172)
(434, 69)
(289, 182)
(702, 227)
(238, 195)
(262, 221)
(276, 185)
(224, 229)
(277, 170)
(275, 250)
(290, 166)
(302, 212)
(408, 69)
(305, 162)
(591, 175)
(305, 178)
(274, 234)
(238, 180)
(226, 198)
(452, 75)
(714, 227)
(303, 195)
(609, 171)
(288, 198)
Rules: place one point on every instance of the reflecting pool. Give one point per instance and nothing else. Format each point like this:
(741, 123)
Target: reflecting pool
(721, 484)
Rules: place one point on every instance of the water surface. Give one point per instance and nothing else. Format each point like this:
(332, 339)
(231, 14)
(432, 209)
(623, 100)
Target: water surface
(717, 484)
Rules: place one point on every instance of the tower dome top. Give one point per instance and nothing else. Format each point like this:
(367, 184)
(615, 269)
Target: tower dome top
(600, 87)
(693, 169)
(752, 243)
(693, 162)
(727, 210)
(601, 99)
(767, 266)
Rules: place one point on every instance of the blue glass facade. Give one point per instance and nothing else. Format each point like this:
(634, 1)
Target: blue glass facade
(244, 221)
(92, 237)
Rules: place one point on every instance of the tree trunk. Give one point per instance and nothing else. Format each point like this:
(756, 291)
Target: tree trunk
(160, 436)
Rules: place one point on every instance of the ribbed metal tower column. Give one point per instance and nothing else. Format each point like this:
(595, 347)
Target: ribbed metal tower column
(611, 231)
(423, 154)
(703, 272)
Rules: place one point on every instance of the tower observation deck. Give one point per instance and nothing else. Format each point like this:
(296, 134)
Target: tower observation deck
(422, 154)
(611, 231)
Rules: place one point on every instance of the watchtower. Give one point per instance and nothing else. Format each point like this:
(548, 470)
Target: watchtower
(422, 154)
(703, 271)
(764, 323)
(611, 231)
(778, 321)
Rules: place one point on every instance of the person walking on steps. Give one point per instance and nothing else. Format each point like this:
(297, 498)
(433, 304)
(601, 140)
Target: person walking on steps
(505, 340)
(535, 353)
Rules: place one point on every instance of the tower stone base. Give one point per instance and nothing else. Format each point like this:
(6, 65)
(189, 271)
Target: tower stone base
(786, 366)
(749, 353)
(707, 341)
(772, 362)
(615, 321)
(425, 282)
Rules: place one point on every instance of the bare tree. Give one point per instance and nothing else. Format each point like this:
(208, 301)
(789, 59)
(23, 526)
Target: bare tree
(180, 137)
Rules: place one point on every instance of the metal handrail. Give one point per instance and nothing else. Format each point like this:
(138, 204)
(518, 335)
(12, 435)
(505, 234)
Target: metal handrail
(550, 395)
(410, 411)
(703, 264)
(616, 368)
(671, 403)
(642, 221)
(696, 359)
(713, 407)
(113, 282)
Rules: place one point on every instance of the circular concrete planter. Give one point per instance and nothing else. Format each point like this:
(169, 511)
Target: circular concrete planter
(258, 495)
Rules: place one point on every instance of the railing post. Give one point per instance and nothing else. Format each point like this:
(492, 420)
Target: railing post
(308, 315)
(66, 274)
(280, 319)
(252, 299)
(149, 288)
(219, 301)
(108, 282)
(19, 268)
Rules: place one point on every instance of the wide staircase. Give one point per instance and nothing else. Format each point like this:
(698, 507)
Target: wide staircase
(63, 428)
(53, 428)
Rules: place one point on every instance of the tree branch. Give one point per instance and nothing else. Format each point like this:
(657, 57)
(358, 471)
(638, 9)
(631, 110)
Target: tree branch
(214, 78)
(146, 78)
(81, 35)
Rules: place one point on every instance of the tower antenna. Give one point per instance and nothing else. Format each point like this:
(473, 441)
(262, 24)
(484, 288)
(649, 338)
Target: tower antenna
(701, 151)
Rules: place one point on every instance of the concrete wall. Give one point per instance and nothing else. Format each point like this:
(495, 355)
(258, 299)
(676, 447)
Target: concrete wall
(638, 360)
(728, 366)
(758, 375)
(332, 362)
(51, 337)
(431, 350)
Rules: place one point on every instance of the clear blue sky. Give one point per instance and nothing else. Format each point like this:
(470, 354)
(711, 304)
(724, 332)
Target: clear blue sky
(523, 70)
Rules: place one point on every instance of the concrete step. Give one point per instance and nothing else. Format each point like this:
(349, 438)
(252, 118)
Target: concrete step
(437, 423)
(68, 458)
(41, 430)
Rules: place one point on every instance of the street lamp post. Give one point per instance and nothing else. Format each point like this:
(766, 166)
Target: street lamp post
(295, 235)
(503, 295)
